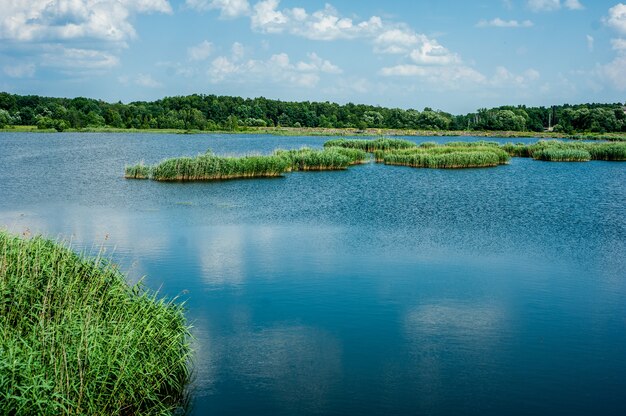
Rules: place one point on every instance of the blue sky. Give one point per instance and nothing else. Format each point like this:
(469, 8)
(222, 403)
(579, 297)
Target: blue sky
(454, 55)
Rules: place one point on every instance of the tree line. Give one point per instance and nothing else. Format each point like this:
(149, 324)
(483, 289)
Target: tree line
(211, 112)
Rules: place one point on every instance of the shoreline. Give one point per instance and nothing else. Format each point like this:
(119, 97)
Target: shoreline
(336, 132)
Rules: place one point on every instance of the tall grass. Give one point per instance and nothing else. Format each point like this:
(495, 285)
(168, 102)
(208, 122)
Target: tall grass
(311, 159)
(210, 167)
(139, 171)
(568, 151)
(562, 155)
(453, 160)
(75, 338)
(371, 146)
(449, 155)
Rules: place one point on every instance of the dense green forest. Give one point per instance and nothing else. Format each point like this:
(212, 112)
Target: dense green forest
(210, 112)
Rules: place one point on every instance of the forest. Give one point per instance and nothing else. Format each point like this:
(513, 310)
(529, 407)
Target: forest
(225, 113)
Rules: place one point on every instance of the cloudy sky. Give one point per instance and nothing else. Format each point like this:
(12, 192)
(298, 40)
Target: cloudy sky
(453, 55)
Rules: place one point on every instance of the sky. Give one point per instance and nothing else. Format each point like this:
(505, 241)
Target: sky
(455, 55)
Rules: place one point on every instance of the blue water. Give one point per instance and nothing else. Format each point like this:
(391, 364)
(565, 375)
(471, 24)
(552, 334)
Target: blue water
(376, 290)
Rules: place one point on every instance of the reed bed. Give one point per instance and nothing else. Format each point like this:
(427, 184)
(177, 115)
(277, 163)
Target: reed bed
(139, 171)
(310, 159)
(558, 151)
(75, 338)
(210, 167)
(562, 155)
(424, 156)
(453, 160)
(371, 146)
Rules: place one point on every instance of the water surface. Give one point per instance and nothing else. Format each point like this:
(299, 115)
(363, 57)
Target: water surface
(379, 290)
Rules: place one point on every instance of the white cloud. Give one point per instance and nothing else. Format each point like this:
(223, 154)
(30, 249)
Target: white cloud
(614, 72)
(505, 78)
(201, 51)
(325, 24)
(76, 59)
(143, 80)
(590, 42)
(544, 5)
(73, 19)
(146, 80)
(238, 51)
(497, 22)
(430, 52)
(617, 18)
(552, 5)
(228, 8)
(618, 44)
(397, 41)
(23, 70)
(463, 77)
(452, 77)
(573, 5)
(278, 69)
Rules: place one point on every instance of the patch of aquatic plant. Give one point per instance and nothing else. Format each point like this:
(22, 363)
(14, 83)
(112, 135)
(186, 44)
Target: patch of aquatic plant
(454, 160)
(75, 338)
(479, 143)
(448, 148)
(562, 155)
(370, 146)
(312, 159)
(356, 156)
(615, 151)
(139, 171)
(210, 167)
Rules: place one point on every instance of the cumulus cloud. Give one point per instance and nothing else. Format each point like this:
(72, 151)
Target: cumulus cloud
(617, 18)
(74, 19)
(498, 22)
(614, 72)
(552, 5)
(618, 44)
(56, 32)
(325, 24)
(200, 52)
(590, 43)
(228, 8)
(278, 68)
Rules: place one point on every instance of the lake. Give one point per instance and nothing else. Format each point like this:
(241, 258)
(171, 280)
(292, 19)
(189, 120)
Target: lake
(375, 290)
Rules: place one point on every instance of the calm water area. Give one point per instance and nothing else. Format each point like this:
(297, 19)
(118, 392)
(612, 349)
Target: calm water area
(375, 290)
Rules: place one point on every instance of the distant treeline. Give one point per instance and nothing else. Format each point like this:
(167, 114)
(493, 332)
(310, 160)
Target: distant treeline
(211, 112)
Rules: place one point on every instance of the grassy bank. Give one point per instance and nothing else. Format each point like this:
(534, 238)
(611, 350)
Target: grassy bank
(75, 338)
(320, 131)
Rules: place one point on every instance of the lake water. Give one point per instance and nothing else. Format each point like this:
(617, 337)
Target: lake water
(376, 290)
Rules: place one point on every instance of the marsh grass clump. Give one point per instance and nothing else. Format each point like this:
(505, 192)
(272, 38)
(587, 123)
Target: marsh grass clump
(562, 155)
(139, 171)
(453, 160)
(75, 338)
(568, 151)
(210, 167)
(608, 151)
(311, 159)
(371, 146)
(435, 156)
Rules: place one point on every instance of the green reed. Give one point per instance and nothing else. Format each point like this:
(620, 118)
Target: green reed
(371, 146)
(453, 160)
(313, 159)
(75, 338)
(562, 155)
(139, 171)
(210, 167)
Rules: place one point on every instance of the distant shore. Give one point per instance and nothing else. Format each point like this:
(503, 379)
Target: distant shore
(319, 131)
